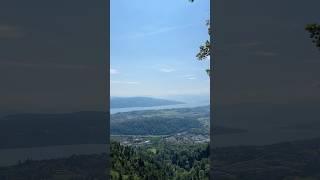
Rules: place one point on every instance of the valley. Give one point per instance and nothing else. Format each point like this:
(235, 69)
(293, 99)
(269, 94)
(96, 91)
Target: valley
(177, 126)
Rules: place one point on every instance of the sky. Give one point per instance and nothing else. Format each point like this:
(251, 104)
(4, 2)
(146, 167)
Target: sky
(154, 46)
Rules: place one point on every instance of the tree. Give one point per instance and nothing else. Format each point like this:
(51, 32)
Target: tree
(204, 51)
(314, 30)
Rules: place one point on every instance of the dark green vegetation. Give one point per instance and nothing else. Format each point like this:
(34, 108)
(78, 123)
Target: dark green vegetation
(165, 122)
(154, 126)
(163, 161)
(314, 30)
(126, 102)
(283, 161)
(160, 122)
(204, 50)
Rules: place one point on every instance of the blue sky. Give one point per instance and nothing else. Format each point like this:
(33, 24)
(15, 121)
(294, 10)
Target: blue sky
(153, 47)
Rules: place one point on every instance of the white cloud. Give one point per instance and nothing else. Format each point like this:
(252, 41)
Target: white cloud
(154, 32)
(163, 67)
(151, 31)
(167, 70)
(113, 71)
(125, 82)
(189, 76)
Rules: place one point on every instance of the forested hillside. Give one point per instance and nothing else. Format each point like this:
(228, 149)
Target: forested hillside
(160, 122)
(166, 122)
(282, 161)
(161, 162)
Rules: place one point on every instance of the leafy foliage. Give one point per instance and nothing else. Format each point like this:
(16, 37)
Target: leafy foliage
(176, 162)
(314, 30)
(204, 51)
(283, 161)
(154, 126)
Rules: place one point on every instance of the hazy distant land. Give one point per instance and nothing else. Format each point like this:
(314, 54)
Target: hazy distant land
(126, 102)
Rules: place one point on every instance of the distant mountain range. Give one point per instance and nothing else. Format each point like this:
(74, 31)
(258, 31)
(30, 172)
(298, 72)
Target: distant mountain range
(126, 102)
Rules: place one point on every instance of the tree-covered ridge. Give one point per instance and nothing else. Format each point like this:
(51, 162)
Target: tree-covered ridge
(282, 161)
(164, 161)
(160, 122)
(160, 162)
(154, 126)
(164, 122)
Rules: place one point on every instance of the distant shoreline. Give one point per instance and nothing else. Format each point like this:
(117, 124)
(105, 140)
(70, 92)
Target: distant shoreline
(130, 102)
(147, 106)
(175, 106)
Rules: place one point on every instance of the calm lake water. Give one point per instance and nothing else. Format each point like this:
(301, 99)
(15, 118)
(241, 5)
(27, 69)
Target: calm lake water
(186, 105)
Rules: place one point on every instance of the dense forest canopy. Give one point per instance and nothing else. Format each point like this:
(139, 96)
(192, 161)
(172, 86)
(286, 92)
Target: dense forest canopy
(160, 162)
(295, 160)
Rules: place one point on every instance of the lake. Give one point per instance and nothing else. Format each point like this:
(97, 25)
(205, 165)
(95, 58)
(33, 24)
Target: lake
(185, 105)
